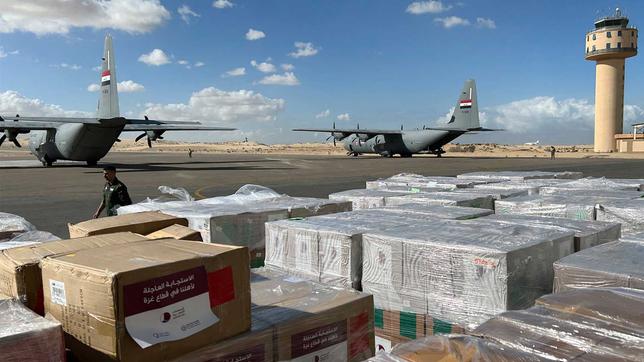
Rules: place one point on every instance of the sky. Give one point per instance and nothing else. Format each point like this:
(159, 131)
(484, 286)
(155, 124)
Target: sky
(268, 66)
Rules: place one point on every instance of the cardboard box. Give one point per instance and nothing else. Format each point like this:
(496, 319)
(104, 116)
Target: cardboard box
(176, 231)
(255, 345)
(141, 223)
(151, 300)
(323, 324)
(615, 264)
(20, 274)
(587, 233)
(26, 336)
(453, 348)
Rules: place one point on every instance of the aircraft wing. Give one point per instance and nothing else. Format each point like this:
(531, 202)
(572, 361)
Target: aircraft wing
(52, 119)
(156, 121)
(28, 126)
(173, 127)
(351, 131)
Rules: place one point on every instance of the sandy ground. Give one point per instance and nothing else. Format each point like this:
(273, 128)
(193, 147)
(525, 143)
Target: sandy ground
(456, 150)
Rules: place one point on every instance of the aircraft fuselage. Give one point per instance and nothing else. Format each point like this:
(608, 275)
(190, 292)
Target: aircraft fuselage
(75, 141)
(405, 144)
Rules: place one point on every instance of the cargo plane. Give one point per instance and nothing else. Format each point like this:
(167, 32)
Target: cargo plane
(388, 143)
(89, 139)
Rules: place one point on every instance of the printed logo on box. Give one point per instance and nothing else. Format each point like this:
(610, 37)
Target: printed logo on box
(57, 290)
(323, 344)
(254, 354)
(168, 308)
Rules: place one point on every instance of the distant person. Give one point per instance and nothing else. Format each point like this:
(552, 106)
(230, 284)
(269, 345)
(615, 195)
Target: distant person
(553, 150)
(245, 139)
(190, 152)
(114, 193)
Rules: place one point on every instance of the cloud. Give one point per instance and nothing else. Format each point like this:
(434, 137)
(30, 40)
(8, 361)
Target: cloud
(303, 50)
(59, 17)
(222, 4)
(182, 62)
(237, 72)
(287, 78)
(156, 57)
(15, 52)
(424, 7)
(12, 102)
(67, 66)
(211, 105)
(253, 34)
(288, 67)
(199, 64)
(2, 53)
(97, 68)
(485, 23)
(185, 12)
(126, 86)
(323, 114)
(452, 21)
(263, 67)
(344, 117)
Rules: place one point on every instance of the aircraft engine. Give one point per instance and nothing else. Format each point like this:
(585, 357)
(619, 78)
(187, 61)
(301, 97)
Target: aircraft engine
(364, 137)
(151, 136)
(11, 135)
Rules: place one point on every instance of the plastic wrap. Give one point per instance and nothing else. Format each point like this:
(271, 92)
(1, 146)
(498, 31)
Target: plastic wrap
(246, 194)
(26, 336)
(461, 272)
(547, 206)
(504, 186)
(419, 183)
(598, 192)
(328, 248)
(604, 324)
(520, 175)
(473, 199)
(452, 348)
(615, 264)
(366, 199)
(496, 193)
(12, 225)
(587, 233)
(440, 212)
(605, 184)
(629, 213)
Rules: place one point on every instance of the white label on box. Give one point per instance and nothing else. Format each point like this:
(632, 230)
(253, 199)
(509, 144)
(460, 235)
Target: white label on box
(57, 292)
(168, 308)
(383, 345)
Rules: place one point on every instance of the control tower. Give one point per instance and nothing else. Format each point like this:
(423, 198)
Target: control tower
(609, 44)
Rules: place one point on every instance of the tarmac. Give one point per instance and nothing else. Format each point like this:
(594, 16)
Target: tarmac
(71, 192)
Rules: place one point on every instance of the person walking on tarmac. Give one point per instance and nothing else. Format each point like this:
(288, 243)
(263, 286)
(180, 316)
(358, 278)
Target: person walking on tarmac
(114, 193)
(553, 150)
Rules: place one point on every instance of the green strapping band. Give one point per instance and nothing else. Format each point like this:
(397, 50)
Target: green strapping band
(379, 320)
(441, 327)
(408, 325)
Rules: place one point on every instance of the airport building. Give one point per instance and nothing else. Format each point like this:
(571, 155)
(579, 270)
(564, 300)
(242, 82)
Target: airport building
(609, 44)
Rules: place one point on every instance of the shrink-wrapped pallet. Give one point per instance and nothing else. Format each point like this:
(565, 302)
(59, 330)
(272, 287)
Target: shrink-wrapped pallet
(412, 182)
(438, 211)
(12, 225)
(615, 264)
(605, 184)
(460, 272)
(577, 209)
(520, 175)
(366, 199)
(497, 193)
(26, 336)
(472, 199)
(587, 233)
(568, 191)
(629, 213)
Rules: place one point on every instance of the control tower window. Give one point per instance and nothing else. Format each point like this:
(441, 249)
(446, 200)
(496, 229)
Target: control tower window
(594, 48)
(608, 34)
(632, 33)
(594, 37)
(619, 33)
(619, 45)
(586, 49)
(587, 38)
(607, 45)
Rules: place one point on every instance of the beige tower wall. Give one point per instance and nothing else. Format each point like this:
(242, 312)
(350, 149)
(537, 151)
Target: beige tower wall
(609, 103)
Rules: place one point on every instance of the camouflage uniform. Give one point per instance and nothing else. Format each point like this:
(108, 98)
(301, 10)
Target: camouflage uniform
(115, 195)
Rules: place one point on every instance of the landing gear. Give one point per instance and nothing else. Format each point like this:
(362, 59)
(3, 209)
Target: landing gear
(92, 163)
(405, 155)
(46, 162)
(439, 152)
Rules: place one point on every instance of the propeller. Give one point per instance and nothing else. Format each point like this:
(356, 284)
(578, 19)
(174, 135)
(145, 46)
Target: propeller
(11, 135)
(151, 136)
(401, 127)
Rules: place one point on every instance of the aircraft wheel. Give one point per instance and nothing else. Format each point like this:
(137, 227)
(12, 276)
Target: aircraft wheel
(406, 155)
(92, 163)
(46, 162)
(439, 155)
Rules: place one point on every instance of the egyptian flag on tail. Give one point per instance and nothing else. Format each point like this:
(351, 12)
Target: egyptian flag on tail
(466, 104)
(105, 77)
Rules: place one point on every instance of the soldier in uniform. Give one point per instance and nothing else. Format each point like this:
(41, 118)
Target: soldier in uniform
(114, 193)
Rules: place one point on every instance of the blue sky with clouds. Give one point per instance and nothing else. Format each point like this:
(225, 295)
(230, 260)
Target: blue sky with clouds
(268, 66)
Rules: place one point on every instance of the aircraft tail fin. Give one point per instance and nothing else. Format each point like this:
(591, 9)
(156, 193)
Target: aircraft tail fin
(108, 102)
(466, 112)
